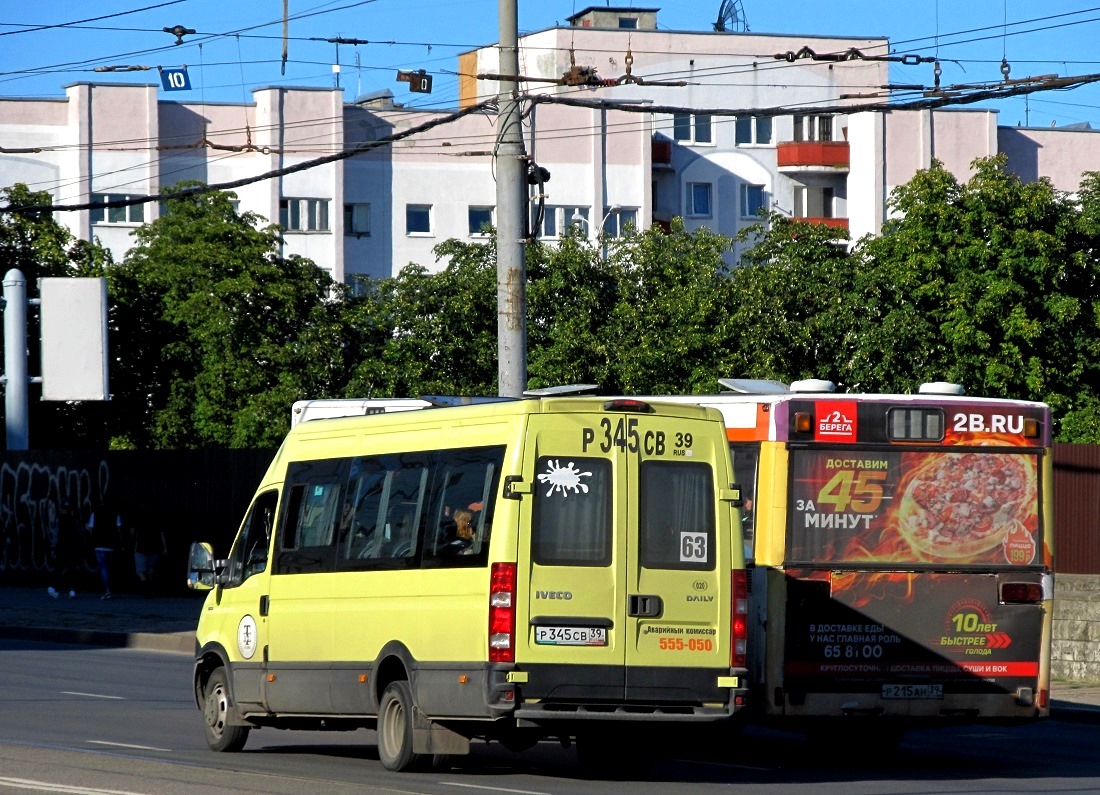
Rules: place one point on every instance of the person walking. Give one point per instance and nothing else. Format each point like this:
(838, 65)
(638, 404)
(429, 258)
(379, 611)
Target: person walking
(149, 544)
(104, 527)
(64, 529)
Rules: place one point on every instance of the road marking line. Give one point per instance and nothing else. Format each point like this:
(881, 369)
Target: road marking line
(91, 695)
(492, 789)
(48, 786)
(127, 745)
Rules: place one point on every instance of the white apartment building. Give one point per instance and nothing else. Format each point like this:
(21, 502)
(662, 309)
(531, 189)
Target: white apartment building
(371, 214)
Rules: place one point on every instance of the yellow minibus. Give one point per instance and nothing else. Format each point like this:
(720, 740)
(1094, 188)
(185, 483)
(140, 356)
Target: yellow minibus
(512, 571)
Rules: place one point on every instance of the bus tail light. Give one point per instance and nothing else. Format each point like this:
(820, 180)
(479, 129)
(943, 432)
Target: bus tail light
(502, 613)
(1021, 593)
(739, 620)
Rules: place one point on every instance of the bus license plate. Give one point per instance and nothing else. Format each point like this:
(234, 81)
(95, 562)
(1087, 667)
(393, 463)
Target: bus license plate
(571, 636)
(912, 691)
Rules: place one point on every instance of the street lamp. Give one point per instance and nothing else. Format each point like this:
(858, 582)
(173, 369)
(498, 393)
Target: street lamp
(577, 218)
(600, 231)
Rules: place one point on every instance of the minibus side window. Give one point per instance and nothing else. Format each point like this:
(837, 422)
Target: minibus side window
(361, 527)
(307, 542)
(249, 555)
(382, 516)
(572, 513)
(676, 515)
(460, 510)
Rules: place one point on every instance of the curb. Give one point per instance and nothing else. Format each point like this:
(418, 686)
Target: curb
(175, 642)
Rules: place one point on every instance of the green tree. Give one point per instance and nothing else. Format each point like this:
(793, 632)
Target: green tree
(572, 293)
(989, 283)
(217, 333)
(674, 298)
(430, 334)
(791, 307)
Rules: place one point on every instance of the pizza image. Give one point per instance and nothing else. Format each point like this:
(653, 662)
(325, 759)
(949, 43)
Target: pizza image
(959, 505)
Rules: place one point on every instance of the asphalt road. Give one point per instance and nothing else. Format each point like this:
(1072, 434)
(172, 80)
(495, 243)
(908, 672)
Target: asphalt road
(92, 720)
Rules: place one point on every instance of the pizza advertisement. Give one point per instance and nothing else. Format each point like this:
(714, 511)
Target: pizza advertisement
(965, 507)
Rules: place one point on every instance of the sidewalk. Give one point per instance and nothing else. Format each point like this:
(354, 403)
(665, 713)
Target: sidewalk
(167, 623)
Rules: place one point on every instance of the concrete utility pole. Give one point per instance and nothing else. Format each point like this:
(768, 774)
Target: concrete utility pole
(15, 360)
(510, 165)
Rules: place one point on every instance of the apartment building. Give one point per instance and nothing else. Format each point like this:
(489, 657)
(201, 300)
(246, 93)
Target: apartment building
(684, 154)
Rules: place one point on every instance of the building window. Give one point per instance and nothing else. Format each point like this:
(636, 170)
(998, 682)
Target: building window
(303, 215)
(698, 199)
(813, 202)
(133, 214)
(813, 128)
(692, 128)
(754, 199)
(615, 223)
(357, 220)
(628, 23)
(481, 221)
(418, 219)
(557, 218)
(753, 130)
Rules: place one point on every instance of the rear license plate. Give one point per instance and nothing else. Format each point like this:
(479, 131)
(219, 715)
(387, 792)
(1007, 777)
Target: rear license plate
(571, 636)
(912, 691)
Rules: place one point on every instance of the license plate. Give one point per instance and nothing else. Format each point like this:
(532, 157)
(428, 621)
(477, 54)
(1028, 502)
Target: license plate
(571, 636)
(912, 691)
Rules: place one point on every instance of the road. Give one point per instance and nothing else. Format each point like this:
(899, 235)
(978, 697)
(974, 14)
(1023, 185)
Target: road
(84, 720)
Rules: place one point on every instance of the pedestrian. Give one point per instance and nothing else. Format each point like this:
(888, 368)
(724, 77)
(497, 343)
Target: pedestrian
(149, 544)
(64, 529)
(104, 528)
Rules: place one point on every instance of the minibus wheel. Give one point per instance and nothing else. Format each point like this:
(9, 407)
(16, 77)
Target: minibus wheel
(217, 710)
(395, 727)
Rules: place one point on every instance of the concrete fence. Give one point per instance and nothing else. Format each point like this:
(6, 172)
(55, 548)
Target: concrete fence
(1076, 649)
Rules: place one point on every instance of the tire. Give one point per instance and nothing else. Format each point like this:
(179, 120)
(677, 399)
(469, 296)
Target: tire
(395, 728)
(217, 711)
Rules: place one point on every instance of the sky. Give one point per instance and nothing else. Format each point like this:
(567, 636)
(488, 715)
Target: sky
(238, 45)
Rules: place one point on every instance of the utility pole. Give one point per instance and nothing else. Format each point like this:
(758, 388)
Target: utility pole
(15, 360)
(510, 165)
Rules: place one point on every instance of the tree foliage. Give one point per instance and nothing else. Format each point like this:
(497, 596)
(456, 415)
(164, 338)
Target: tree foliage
(217, 333)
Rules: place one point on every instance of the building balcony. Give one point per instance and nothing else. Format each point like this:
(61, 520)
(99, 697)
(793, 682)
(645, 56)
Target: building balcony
(813, 157)
(835, 223)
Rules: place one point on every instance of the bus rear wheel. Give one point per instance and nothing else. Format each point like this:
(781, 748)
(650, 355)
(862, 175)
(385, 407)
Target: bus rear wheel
(218, 712)
(395, 727)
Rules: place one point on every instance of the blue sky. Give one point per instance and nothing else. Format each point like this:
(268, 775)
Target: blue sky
(970, 38)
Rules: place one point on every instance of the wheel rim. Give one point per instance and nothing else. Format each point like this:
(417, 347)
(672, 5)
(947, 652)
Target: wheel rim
(393, 727)
(217, 707)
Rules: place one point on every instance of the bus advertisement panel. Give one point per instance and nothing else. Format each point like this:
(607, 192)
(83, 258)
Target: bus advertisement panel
(915, 554)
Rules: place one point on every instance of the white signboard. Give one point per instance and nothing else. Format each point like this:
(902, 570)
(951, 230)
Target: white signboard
(74, 338)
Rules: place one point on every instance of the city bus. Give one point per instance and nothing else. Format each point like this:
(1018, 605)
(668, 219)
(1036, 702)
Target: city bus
(901, 555)
(512, 570)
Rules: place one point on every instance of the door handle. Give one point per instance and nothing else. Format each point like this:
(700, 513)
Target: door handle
(645, 606)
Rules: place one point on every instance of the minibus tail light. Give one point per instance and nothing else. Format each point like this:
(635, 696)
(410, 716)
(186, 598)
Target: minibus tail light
(502, 613)
(739, 620)
(1021, 593)
(803, 422)
(624, 404)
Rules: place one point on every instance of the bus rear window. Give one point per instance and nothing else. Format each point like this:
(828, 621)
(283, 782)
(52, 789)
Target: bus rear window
(572, 524)
(676, 516)
(938, 508)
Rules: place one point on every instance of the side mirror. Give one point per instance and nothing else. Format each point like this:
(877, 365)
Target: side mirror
(202, 569)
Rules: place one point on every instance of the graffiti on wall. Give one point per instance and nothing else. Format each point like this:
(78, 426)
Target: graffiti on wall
(31, 495)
